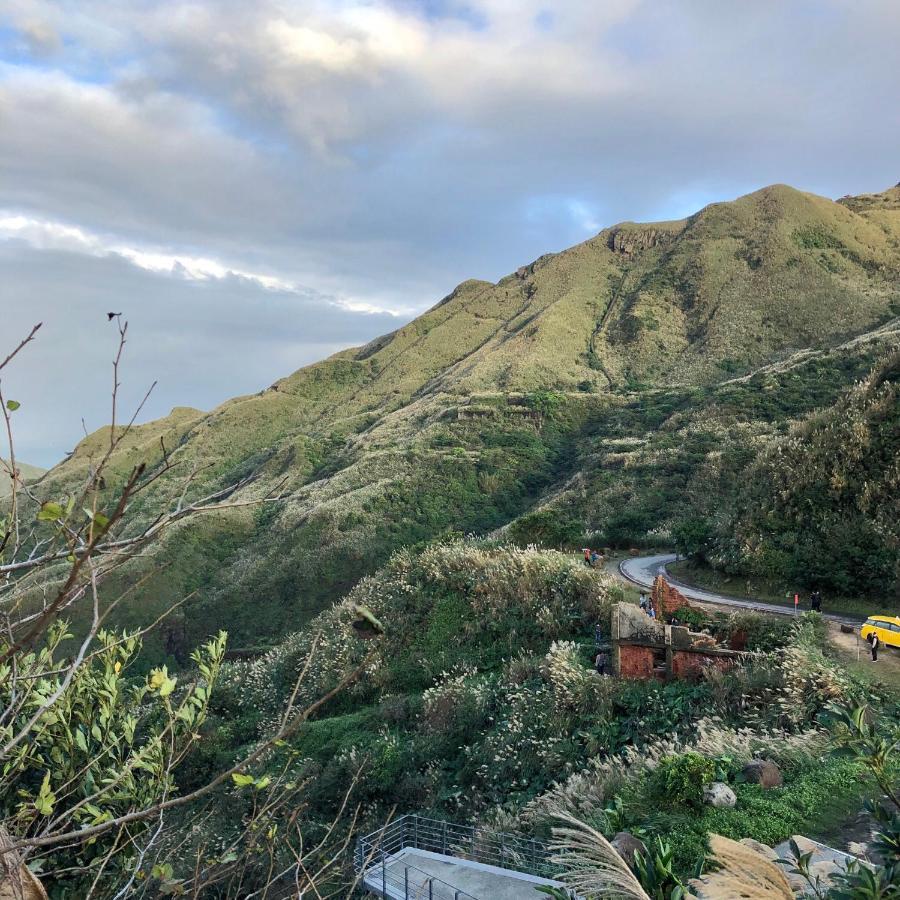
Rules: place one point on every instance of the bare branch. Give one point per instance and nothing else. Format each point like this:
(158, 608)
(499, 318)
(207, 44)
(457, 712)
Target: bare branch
(21, 345)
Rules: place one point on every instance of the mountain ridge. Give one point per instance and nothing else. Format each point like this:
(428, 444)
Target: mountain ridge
(476, 414)
(472, 290)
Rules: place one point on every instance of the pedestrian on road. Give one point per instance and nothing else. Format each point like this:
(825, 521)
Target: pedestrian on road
(875, 643)
(601, 660)
(815, 601)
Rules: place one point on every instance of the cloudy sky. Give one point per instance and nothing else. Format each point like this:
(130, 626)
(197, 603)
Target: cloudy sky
(257, 184)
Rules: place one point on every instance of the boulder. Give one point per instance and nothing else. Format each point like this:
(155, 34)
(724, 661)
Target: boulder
(719, 795)
(763, 772)
(626, 845)
(804, 844)
(763, 849)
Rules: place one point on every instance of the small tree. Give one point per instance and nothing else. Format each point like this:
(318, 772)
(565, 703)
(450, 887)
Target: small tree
(693, 538)
(89, 754)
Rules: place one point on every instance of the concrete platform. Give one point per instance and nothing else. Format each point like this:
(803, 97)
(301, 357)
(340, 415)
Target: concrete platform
(449, 875)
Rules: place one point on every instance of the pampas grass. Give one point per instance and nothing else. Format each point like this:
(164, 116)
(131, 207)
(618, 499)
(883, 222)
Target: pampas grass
(742, 874)
(590, 864)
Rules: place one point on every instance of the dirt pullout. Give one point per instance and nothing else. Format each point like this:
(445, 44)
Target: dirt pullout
(887, 666)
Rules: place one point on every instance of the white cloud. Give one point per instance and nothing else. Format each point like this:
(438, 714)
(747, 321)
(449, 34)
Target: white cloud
(45, 235)
(350, 157)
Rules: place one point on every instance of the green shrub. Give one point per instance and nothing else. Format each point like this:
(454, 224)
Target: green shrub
(679, 779)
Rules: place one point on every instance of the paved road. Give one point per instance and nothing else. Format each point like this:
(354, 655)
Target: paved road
(641, 570)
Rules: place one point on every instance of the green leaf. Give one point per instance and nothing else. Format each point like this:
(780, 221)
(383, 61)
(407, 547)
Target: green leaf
(162, 871)
(45, 798)
(241, 780)
(12, 405)
(81, 740)
(365, 623)
(50, 512)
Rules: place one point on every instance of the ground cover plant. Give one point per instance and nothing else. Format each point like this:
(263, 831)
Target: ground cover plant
(482, 704)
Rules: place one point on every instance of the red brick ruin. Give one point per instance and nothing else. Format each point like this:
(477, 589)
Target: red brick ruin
(667, 600)
(648, 648)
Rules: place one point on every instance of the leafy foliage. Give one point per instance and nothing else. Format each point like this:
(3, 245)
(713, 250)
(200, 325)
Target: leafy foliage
(680, 780)
(821, 505)
(103, 744)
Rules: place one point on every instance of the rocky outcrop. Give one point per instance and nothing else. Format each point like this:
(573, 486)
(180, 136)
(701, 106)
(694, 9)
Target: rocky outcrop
(629, 241)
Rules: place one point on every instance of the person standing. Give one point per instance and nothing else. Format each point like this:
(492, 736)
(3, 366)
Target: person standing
(815, 601)
(601, 660)
(643, 601)
(875, 643)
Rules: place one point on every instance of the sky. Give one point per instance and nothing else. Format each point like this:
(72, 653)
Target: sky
(257, 185)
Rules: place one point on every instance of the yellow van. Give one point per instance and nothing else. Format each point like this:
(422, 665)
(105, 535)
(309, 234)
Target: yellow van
(886, 627)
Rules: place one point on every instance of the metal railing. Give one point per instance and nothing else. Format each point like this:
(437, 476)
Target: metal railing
(377, 864)
(393, 878)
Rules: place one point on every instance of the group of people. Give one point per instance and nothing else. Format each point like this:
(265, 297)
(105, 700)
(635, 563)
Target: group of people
(591, 557)
(647, 605)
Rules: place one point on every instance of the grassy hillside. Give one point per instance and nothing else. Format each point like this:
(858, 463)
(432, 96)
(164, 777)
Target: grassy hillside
(592, 391)
(29, 473)
(822, 505)
(481, 704)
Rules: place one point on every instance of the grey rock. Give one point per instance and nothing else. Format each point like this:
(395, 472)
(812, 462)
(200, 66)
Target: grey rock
(719, 795)
(626, 845)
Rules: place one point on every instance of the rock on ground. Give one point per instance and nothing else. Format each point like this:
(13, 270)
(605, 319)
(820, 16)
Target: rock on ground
(627, 845)
(764, 773)
(719, 795)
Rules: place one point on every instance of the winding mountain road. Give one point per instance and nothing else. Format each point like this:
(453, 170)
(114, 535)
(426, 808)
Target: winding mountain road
(642, 570)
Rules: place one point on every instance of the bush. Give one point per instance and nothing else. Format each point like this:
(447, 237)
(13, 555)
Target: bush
(679, 780)
(693, 537)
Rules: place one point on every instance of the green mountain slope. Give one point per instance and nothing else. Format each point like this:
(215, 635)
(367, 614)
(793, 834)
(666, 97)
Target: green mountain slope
(823, 504)
(29, 473)
(588, 391)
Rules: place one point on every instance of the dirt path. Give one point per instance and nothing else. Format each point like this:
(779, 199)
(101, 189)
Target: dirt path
(887, 667)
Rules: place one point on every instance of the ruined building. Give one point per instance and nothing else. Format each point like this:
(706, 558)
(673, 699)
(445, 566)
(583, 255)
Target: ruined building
(648, 648)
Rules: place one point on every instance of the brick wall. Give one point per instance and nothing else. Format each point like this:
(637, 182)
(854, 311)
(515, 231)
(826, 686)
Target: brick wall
(692, 665)
(635, 662)
(666, 599)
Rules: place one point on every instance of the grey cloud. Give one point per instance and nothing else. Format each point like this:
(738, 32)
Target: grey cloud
(202, 341)
(385, 152)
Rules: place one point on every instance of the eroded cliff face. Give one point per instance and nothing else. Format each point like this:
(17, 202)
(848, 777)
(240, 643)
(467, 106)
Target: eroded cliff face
(629, 241)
